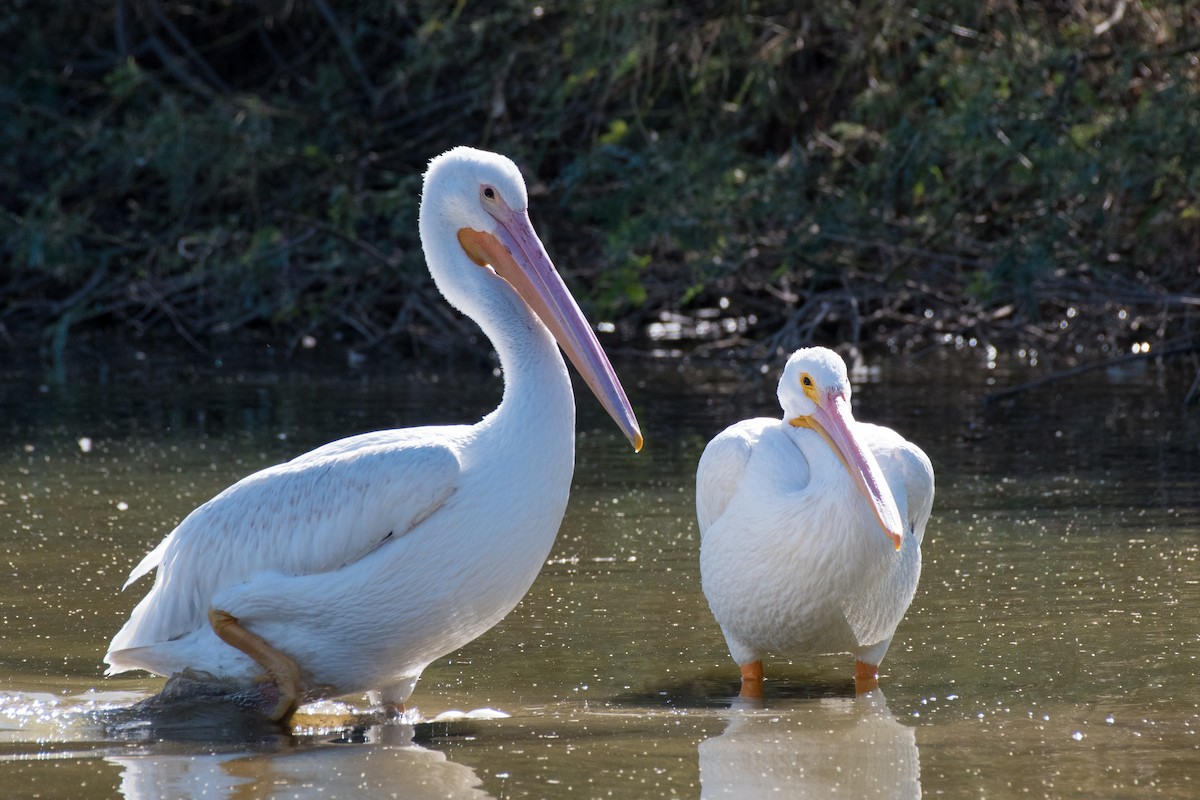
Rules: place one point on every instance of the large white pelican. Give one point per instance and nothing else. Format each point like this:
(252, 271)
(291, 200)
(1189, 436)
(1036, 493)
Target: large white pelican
(811, 526)
(352, 567)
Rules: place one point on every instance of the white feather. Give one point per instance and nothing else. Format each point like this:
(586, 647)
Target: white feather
(334, 505)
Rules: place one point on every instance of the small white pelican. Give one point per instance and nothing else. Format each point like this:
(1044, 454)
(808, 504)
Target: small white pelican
(811, 526)
(352, 567)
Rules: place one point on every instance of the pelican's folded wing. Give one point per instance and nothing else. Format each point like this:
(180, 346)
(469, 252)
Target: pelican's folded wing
(908, 472)
(319, 512)
(721, 468)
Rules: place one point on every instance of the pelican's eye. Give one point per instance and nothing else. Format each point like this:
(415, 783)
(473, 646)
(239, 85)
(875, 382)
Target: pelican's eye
(488, 192)
(809, 386)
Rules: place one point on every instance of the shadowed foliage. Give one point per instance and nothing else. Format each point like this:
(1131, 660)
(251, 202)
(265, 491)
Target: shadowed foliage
(720, 173)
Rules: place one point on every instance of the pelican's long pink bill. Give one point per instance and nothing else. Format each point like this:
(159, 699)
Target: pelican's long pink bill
(834, 422)
(517, 255)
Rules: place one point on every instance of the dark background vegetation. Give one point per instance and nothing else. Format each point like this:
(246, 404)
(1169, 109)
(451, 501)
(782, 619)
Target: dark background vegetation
(727, 174)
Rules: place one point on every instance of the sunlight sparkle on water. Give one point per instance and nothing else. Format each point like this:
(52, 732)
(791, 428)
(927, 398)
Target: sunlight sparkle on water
(1057, 579)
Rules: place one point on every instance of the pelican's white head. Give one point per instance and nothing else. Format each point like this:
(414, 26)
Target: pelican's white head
(814, 392)
(455, 191)
(479, 243)
(809, 376)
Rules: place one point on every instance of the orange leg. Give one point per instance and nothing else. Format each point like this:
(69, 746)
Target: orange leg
(281, 669)
(752, 680)
(866, 677)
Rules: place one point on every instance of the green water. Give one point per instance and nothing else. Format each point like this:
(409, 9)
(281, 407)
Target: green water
(1052, 649)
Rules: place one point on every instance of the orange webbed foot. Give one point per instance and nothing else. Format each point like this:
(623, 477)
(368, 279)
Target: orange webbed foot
(282, 697)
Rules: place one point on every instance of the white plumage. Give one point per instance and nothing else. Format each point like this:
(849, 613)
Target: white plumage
(368, 558)
(811, 526)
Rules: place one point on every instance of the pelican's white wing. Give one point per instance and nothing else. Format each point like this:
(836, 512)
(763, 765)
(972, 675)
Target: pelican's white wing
(876, 608)
(908, 473)
(722, 466)
(316, 513)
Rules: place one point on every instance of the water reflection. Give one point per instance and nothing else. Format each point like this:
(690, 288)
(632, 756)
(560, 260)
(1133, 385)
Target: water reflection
(385, 761)
(832, 747)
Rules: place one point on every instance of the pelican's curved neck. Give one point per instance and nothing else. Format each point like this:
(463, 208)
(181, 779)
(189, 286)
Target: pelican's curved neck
(537, 386)
(538, 403)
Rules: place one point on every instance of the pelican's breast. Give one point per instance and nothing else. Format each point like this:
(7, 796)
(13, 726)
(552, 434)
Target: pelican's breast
(779, 564)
